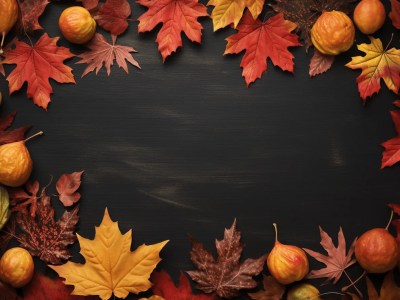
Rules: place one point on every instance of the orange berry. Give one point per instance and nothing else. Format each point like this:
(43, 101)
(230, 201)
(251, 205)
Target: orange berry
(77, 25)
(333, 33)
(369, 16)
(16, 267)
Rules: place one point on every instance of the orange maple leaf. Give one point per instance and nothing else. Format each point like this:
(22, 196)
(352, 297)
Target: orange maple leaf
(176, 16)
(377, 64)
(261, 40)
(36, 65)
(228, 12)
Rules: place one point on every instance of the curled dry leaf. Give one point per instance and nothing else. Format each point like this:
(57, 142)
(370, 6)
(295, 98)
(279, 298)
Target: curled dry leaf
(112, 16)
(262, 40)
(336, 261)
(225, 276)
(273, 290)
(320, 63)
(377, 64)
(395, 13)
(165, 287)
(103, 53)
(67, 186)
(36, 65)
(110, 266)
(177, 16)
(42, 236)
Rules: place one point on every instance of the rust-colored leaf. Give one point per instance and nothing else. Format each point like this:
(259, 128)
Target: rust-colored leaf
(320, 63)
(11, 136)
(395, 13)
(22, 198)
(30, 11)
(273, 290)
(225, 276)
(391, 152)
(336, 261)
(389, 289)
(67, 186)
(112, 16)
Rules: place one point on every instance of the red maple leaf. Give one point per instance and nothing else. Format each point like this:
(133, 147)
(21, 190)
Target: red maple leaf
(112, 16)
(165, 287)
(35, 65)
(336, 261)
(225, 276)
(67, 187)
(395, 13)
(176, 16)
(30, 11)
(101, 52)
(391, 154)
(44, 237)
(10, 136)
(320, 63)
(261, 40)
(45, 288)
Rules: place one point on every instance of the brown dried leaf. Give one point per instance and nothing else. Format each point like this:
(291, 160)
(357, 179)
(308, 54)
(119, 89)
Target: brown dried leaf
(30, 10)
(389, 289)
(273, 290)
(44, 237)
(336, 261)
(67, 187)
(305, 12)
(225, 276)
(23, 197)
(320, 63)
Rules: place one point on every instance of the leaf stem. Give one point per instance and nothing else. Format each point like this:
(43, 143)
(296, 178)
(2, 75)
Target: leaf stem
(33, 136)
(327, 293)
(390, 220)
(391, 39)
(3, 35)
(353, 284)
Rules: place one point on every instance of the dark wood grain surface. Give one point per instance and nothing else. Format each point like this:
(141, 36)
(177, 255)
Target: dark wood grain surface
(184, 147)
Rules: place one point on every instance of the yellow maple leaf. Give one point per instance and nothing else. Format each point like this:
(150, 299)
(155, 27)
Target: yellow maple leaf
(376, 64)
(110, 266)
(228, 12)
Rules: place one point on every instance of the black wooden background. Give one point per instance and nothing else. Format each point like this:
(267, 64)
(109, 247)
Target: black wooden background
(184, 147)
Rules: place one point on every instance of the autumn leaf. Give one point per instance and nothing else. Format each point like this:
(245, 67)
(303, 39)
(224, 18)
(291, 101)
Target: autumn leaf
(11, 136)
(261, 40)
(89, 4)
(7, 233)
(42, 236)
(110, 265)
(112, 16)
(177, 16)
(165, 287)
(391, 152)
(36, 65)
(228, 12)
(45, 288)
(7, 292)
(23, 197)
(273, 290)
(377, 64)
(67, 186)
(225, 276)
(389, 289)
(101, 52)
(336, 261)
(395, 13)
(305, 12)
(320, 63)
(30, 11)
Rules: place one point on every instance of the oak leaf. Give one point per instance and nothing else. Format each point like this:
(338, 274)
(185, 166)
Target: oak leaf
(320, 63)
(273, 290)
(110, 266)
(177, 16)
(336, 261)
(225, 276)
(165, 287)
(391, 153)
(377, 64)
(228, 12)
(389, 289)
(42, 236)
(395, 13)
(36, 65)
(305, 12)
(10, 136)
(44, 288)
(112, 16)
(261, 40)
(67, 186)
(30, 11)
(101, 52)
